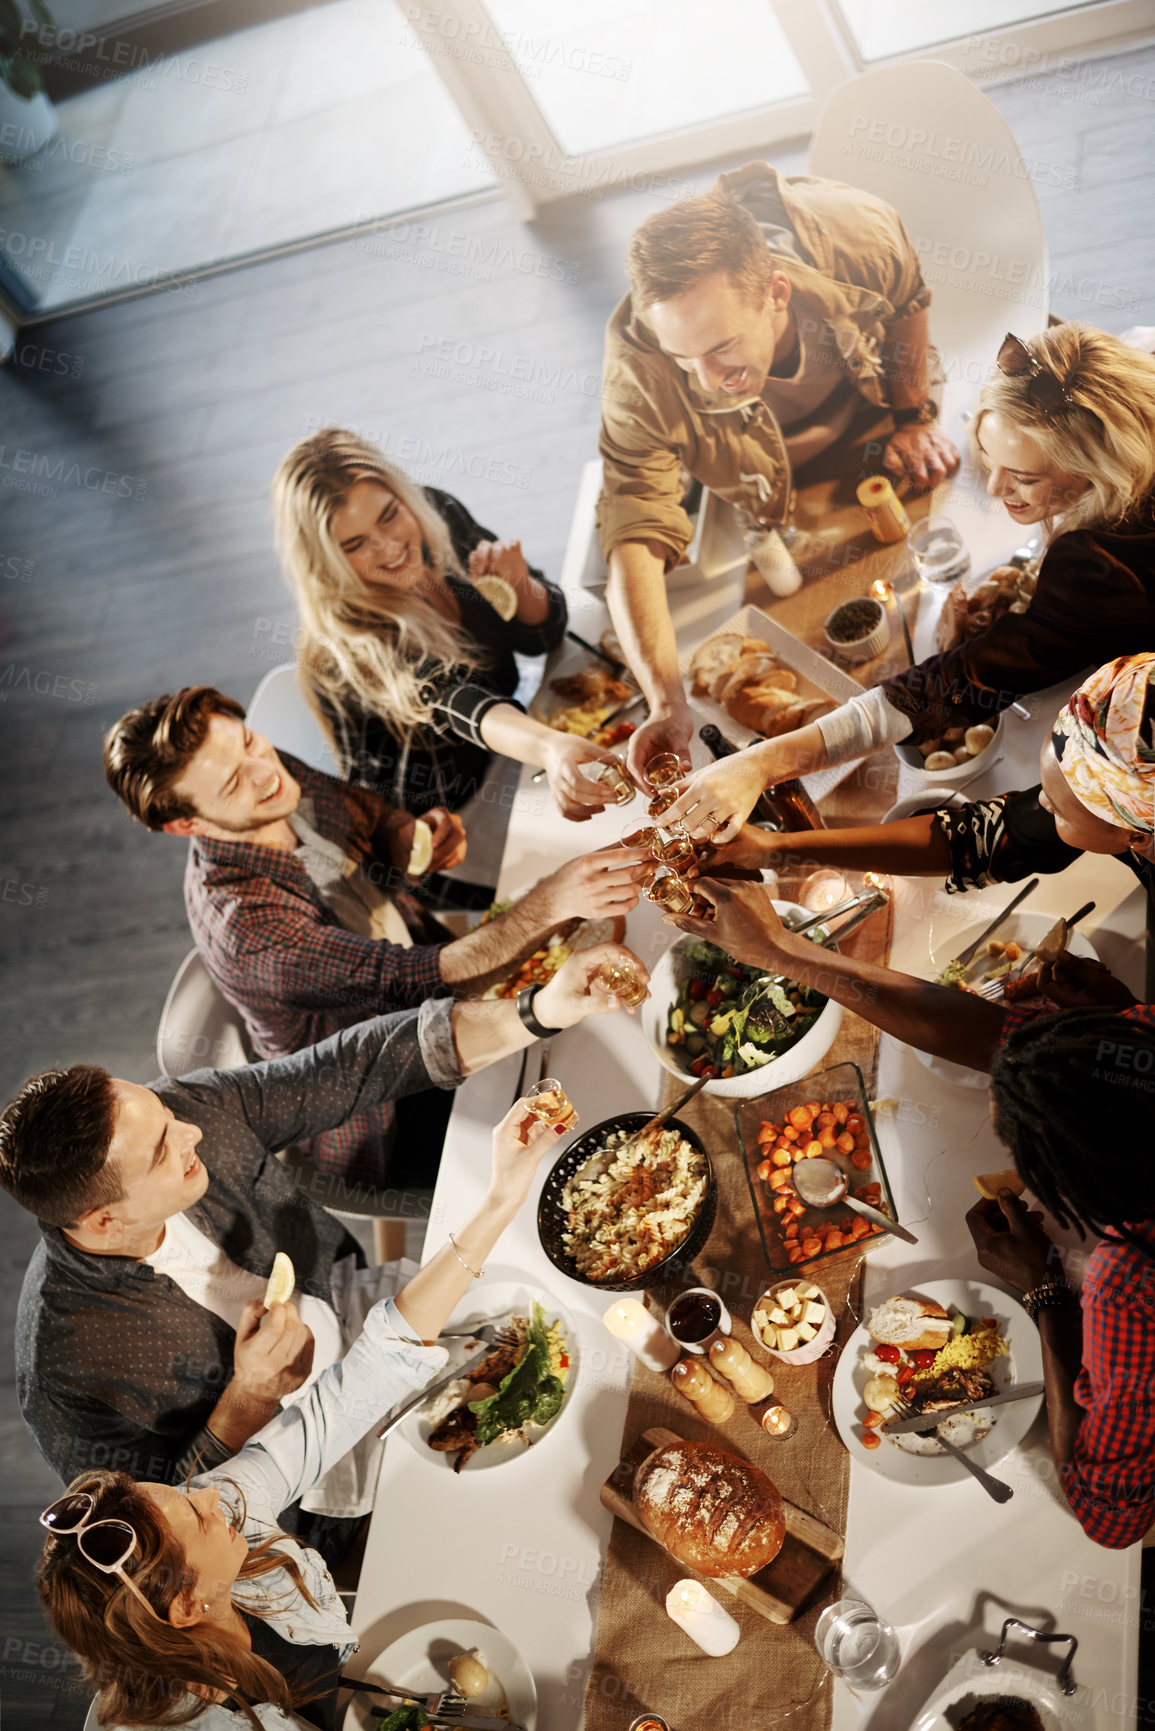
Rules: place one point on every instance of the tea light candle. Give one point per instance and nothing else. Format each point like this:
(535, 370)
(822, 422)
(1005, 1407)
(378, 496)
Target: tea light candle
(823, 890)
(885, 591)
(778, 1423)
(629, 1321)
(700, 1615)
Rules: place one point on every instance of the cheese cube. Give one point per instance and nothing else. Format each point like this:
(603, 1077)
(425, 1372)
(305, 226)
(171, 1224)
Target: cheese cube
(795, 1311)
(787, 1339)
(805, 1289)
(779, 1318)
(815, 1313)
(786, 1297)
(806, 1331)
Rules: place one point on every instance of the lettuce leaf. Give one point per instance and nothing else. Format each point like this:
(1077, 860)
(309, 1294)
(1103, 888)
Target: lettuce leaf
(529, 1391)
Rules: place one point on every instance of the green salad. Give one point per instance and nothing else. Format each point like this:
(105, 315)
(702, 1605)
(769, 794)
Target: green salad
(532, 1390)
(729, 1019)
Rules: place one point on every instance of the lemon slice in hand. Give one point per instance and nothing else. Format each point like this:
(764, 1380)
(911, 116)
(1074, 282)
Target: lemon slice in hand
(282, 1281)
(502, 596)
(421, 851)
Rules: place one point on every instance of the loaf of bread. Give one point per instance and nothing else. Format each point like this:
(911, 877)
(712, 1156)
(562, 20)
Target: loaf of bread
(918, 1324)
(712, 1511)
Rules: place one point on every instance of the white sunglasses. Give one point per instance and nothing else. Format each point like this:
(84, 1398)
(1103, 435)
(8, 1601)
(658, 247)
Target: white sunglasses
(107, 1544)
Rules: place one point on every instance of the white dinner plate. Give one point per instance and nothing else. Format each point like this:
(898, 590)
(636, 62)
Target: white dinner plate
(970, 1682)
(1024, 1363)
(420, 1661)
(1024, 927)
(485, 1303)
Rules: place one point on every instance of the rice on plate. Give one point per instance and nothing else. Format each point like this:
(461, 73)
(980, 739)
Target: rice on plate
(626, 1215)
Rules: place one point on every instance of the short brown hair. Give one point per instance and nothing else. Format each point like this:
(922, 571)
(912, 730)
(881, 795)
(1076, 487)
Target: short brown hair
(151, 747)
(54, 1142)
(676, 247)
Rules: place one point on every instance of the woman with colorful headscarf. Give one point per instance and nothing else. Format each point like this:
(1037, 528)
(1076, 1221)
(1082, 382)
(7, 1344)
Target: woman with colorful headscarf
(1096, 795)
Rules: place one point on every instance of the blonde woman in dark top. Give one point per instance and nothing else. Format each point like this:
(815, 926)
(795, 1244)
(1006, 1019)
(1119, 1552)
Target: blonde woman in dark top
(409, 666)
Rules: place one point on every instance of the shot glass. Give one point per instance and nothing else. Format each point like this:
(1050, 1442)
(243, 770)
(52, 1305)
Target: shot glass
(637, 833)
(616, 782)
(678, 853)
(549, 1102)
(623, 981)
(664, 769)
(668, 891)
(662, 801)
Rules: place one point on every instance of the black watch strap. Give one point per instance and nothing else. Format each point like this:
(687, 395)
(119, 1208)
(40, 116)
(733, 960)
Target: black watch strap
(525, 1011)
(921, 416)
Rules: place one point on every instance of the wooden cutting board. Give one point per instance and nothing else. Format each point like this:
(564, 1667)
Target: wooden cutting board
(810, 1551)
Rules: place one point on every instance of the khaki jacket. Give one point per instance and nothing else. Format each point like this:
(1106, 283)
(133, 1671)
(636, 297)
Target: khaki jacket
(849, 255)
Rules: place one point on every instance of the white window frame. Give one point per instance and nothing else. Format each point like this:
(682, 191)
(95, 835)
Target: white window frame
(533, 169)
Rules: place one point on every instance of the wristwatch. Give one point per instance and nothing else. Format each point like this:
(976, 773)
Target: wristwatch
(922, 416)
(525, 1011)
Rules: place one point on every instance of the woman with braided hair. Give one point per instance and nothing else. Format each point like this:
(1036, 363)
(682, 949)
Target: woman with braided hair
(1072, 1097)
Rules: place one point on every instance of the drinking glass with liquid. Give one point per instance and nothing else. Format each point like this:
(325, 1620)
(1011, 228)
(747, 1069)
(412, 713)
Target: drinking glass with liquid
(622, 981)
(857, 1645)
(613, 778)
(938, 550)
(549, 1102)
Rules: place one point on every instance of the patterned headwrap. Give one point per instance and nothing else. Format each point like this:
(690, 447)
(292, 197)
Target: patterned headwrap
(1105, 743)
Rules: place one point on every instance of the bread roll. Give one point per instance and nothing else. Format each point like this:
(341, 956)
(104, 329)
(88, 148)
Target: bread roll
(918, 1324)
(712, 1511)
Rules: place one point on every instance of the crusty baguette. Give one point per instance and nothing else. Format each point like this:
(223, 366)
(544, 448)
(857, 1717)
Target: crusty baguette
(747, 670)
(918, 1324)
(989, 1184)
(711, 1510)
(712, 656)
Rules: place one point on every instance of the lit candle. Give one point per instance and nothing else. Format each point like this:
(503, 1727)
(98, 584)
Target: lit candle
(823, 890)
(885, 591)
(629, 1321)
(777, 1422)
(701, 1616)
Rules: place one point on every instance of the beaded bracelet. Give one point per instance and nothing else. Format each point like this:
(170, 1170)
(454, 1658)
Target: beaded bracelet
(1047, 1296)
(475, 1273)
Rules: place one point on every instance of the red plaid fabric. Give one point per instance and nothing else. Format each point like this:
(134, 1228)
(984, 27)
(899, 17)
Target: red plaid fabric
(278, 955)
(1110, 1479)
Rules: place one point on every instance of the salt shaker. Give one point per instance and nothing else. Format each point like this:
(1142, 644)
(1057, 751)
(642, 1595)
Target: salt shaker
(692, 1379)
(731, 1360)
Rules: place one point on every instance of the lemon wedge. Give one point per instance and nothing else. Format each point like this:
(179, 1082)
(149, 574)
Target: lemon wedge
(502, 596)
(421, 852)
(282, 1281)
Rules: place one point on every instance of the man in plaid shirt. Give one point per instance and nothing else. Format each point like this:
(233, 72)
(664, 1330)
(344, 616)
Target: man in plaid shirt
(303, 912)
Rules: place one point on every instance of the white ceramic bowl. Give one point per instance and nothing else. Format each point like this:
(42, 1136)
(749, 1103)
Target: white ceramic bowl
(805, 1055)
(863, 648)
(962, 772)
(811, 1350)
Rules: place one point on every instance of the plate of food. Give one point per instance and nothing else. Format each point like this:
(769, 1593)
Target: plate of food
(538, 968)
(586, 697)
(473, 1660)
(506, 1403)
(974, 604)
(1009, 1696)
(707, 1012)
(624, 1222)
(943, 1345)
(1019, 939)
(825, 1116)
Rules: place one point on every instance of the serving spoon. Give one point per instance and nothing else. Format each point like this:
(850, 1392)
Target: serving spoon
(821, 1184)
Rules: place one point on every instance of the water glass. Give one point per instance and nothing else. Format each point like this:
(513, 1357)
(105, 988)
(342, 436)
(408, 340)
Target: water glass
(857, 1645)
(938, 550)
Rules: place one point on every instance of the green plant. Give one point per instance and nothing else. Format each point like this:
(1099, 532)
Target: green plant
(20, 75)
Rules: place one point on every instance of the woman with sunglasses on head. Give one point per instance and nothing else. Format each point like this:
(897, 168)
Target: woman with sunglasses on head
(1065, 433)
(407, 644)
(190, 1606)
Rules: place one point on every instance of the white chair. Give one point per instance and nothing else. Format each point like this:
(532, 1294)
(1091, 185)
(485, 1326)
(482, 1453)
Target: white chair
(925, 139)
(281, 712)
(199, 1029)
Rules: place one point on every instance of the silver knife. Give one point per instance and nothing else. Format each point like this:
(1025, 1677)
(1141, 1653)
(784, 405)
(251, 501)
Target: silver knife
(395, 1418)
(476, 1722)
(972, 950)
(931, 1420)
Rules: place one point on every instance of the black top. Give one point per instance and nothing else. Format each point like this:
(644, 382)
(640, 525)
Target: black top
(1001, 840)
(303, 1665)
(445, 763)
(1094, 600)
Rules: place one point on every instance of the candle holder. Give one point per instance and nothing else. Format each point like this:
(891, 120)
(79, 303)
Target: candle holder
(777, 1421)
(823, 890)
(650, 1722)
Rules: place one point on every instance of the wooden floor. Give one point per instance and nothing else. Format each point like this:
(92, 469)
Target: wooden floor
(154, 427)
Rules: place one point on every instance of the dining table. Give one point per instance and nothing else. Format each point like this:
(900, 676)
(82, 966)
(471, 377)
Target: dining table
(523, 1546)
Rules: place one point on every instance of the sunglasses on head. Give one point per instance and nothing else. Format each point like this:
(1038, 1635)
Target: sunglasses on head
(106, 1544)
(1044, 390)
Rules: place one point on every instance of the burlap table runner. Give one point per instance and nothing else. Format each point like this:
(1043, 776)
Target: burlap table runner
(642, 1661)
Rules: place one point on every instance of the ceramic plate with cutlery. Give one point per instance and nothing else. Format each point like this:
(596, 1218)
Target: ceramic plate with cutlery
(1012, 1419)
(1025, 928)
(971, 1684)
(420, 1661)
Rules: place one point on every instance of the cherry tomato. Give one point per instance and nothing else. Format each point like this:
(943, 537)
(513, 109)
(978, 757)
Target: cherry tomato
(697, 988)
(702, 1067)
(924, 1359)
(714, 997)
(888, 1354)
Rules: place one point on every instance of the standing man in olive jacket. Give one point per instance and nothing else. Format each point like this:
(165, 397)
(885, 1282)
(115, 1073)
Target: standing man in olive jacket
(762, 318)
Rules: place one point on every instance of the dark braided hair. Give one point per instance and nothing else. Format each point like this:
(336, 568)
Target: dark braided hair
(1074, 1100)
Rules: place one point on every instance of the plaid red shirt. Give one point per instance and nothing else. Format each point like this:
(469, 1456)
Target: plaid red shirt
(1109, 1480)
(277, 953)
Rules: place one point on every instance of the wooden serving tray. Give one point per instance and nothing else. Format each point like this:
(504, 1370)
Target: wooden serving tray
(810, 1551)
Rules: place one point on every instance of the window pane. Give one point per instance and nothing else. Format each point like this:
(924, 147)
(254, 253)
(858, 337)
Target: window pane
(882, 28)
(608, 72)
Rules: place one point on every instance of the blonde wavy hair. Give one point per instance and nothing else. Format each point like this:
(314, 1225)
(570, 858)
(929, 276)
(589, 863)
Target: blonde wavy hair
(375, 646)
(1106, 434)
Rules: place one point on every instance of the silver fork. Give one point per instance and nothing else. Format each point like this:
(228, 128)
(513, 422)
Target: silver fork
(458, 1709)
(996, 1488)
(488, 1333)
(991, 990)
(438, 1704)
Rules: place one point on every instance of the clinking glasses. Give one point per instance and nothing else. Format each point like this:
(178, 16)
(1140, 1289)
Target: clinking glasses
(1044, 390)
(107, 1544)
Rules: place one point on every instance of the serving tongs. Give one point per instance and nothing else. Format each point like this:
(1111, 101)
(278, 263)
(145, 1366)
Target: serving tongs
(858, 909)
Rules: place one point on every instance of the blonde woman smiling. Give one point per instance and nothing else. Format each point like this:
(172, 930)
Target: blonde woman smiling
(410, 668)
(1065, 434)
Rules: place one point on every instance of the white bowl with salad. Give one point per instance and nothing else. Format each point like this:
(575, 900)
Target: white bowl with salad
(707, 1011)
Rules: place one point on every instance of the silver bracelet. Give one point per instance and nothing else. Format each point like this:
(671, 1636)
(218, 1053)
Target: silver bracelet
(475, 1273)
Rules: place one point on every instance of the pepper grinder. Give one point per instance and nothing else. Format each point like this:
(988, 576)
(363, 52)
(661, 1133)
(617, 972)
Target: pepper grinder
(731, 1360)
(691, 1378)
